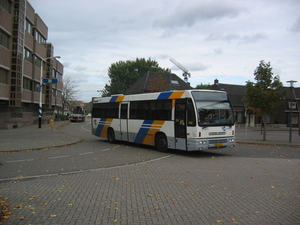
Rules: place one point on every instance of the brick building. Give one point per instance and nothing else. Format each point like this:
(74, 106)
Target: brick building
(24, 51)
(290, 103)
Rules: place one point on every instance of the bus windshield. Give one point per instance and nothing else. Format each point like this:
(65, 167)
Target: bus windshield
(213, 109)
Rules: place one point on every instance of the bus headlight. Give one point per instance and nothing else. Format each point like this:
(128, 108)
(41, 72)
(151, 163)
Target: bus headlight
(231, 140)
(202, 142)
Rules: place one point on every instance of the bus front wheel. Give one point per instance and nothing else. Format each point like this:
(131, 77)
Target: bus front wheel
(161, 143)
(111, 135)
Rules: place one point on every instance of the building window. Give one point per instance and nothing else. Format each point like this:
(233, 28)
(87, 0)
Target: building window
(292, 105)
(59, 76)
(3, 76)
(4, 39)
(6, 4)
(35, 86)
(26, 83)
(28, 27)
(27, 55)
(39, 37)
(37, 61)
(58, 94)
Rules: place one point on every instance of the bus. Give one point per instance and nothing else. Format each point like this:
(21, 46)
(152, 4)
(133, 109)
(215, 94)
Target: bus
(189, 120)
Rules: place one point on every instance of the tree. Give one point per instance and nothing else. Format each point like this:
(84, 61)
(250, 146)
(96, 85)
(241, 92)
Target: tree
(203, 86)
(264, 95)
(123, 74)
(69, 93)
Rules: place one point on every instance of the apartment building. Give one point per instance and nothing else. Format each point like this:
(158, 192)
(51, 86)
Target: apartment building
(26, 57)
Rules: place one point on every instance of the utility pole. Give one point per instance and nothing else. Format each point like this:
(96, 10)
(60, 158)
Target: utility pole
(291, 107)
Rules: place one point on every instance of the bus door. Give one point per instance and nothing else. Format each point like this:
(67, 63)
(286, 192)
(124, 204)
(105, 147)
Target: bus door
(124, 122)
(180, 124)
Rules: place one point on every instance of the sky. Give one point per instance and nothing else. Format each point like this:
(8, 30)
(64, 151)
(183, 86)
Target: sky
(212, 39)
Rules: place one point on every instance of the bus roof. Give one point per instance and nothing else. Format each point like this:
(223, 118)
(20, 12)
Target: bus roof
(150, 96)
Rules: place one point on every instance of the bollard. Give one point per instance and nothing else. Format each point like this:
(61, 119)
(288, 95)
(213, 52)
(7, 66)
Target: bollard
(51, 122)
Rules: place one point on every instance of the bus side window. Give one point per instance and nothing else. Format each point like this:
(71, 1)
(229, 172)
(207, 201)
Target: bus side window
(191, 117)
(124, 111)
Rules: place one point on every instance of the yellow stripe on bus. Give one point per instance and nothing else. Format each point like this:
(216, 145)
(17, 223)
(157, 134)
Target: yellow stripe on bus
(176, 94)
(105, 127)
(120, 98)
(155, 127)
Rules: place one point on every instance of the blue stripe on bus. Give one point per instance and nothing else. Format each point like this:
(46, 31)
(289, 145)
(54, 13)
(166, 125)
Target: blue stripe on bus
(113, 99)
(165, 95)
(100, 127)
(140, 136)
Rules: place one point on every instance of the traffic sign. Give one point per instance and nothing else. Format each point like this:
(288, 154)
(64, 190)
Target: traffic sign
(50, 81)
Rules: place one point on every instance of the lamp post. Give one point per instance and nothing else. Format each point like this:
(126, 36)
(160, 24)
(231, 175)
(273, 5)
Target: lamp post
(290, 105)
(41, 91)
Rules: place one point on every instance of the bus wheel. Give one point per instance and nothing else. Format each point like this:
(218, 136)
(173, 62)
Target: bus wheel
(111, 135)
(161, 143)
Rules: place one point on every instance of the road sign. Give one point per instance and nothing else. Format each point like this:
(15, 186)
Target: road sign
(50, 81)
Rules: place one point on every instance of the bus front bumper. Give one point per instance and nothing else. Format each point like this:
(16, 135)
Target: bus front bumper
(198, 144)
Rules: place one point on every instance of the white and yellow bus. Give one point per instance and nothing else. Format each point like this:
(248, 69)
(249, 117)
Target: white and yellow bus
(189, 120)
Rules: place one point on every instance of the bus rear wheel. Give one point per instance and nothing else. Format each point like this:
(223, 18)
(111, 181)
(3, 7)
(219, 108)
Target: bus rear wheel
(161, 143)
(111, 135)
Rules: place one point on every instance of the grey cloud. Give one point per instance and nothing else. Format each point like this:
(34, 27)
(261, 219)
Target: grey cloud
(197, 66)
(296, 25)
(80, 68)
(187, 14)
(218, 51)
(244, 39)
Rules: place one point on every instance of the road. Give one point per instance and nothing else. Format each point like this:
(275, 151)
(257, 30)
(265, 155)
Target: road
(96, 153)
(96, 182)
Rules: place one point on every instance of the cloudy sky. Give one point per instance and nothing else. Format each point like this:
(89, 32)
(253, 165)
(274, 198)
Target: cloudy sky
(223, 39)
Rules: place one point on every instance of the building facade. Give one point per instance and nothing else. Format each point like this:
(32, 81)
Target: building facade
(26, 57)
(287, 110)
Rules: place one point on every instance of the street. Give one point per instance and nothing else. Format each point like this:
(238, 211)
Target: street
(97, 153)
(95, 182)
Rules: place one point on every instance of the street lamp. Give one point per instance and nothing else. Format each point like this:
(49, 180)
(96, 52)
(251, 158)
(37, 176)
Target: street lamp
(40, 88)
(290, 105)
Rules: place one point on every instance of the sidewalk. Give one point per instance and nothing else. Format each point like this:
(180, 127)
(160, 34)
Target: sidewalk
(31, 137)
(274, 136)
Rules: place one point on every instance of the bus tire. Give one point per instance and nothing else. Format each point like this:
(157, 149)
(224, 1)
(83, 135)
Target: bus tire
(161, 143)
(111, 135)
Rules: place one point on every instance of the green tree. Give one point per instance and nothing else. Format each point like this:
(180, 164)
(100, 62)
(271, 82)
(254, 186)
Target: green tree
(123, 74)
(264, 95)
(203, 86)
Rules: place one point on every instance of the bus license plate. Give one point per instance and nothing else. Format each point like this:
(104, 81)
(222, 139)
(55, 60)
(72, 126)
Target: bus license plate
(219, 144)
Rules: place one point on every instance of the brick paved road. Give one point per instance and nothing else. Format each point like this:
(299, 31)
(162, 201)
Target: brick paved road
(173, 190)
(258, 186)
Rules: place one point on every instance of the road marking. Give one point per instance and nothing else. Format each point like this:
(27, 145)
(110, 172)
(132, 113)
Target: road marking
(84, 171)
(22, 160)
(57, 157)
(83, 127)
(86, 153)
(104, 150)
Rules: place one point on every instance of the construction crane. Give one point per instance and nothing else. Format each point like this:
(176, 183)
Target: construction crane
(185, 72)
